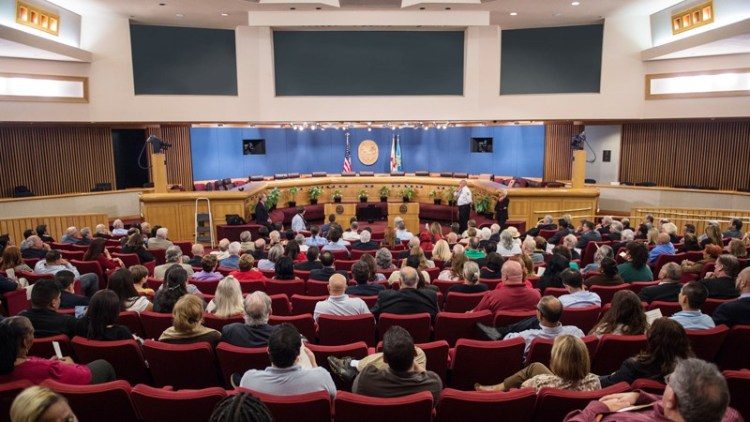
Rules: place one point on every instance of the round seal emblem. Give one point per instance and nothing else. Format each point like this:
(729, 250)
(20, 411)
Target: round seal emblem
(368, 152)
(339, 209)
(403, 208)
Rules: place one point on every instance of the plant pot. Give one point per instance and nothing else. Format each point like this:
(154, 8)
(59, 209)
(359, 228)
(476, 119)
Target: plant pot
(489, 215)
(337, 200)
(405, 199)
(292, 204)
(452, 203)
(313, 201)
(383, 199)
(437, 201)
(363, 200)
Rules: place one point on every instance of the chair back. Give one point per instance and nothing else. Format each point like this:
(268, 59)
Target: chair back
(462, 302)
(357, 408)
(302, 304)
(129, 259)
(336, 330)
(311, 406)
(43, 348)
(108, 401)
(304, 324)
(16, 301)
(739, 388)
(584, 318)
(553, 404)
(418, 325)
(287, 287)
(160, 256)
(237, 360)
(608, 292)
(505, 318)
(124, 355)
(217, 323)
(613, 350)
(169, 364)
(159, 405)
(451, 326)
(541, 349)
(667, 308)
(707, 343)
(85, 267)
(8, 393)
(280, 305)
(473, 406)
(649, 386)
(485, 362)
(710, 305)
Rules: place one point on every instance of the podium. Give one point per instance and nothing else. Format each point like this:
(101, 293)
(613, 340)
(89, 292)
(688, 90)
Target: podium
(409, 211)
(343, 212)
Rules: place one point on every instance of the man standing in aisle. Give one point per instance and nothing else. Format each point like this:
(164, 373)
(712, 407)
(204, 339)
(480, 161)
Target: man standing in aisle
(261, 212)
(463, 200)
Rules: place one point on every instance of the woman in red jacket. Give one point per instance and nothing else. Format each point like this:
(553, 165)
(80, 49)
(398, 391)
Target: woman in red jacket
(97, 252)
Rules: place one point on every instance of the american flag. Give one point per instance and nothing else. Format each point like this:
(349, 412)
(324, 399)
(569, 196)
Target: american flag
(348, 156)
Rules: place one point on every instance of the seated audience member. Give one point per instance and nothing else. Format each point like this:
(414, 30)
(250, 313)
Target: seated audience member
(609, 274)
(493, 264)
(408, 299)
(71, 236)
(507, 246)
(269, 264)
(577, 297)
(285, 376)
(100, 230)
(134, 244)
(254, 332)
(298, 221)
(223, 251)
(312, 262)
(671, 230)
(569, 369)
(172, 289)
(140, 276)
(636, 268)
(712, 235)
(389, 238)
(118, 228)
(514, 296)
(456, 270)
(284, 269)
(145, 230)
(365, 242)
(68, 298)
(471, 282)
(710, 254)
(737, 248)
(625, 317)
(372, 264)
(588, 234)
(198, 252)
(35, 248)
(246, 271)
(187, 324)
(402, 233)
(351, 234)
(615, 231)
(16, 338)
(473, 251)
(720, 283)
(41, 231)
(735, 229)
(173, 257)
(292, 251)
(121, 282)
(45, 301)
(415, 262)
(98, 253)
(338, 302)
(246, 242)
(495, 233)
(737, 311)
(228, 299)
(11, 260)
(160, 240)
(692, 297)
(666, 343)
(441, 251)
(696, 391)
(546, 223)
(40, 404)
(603, 251)
(53, 262)
(552, 272)
(669, 285)
(606, 225)
(99, 321)
(325, 273)
(326, 227)
(663, 246)
(241, 407)
(384, 260)
(232, 261)
(426, 242)
(335, 242)
(626, 237)
(528, 247)
(690, 243)
(402, 375)
(299, 239)
(564, 229)
(569, 242)
(315, 239)
(208, 272)
(364, 287)
(86, 238)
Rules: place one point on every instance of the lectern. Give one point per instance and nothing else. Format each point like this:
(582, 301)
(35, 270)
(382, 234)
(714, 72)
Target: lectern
(343, 212)
(409, 211)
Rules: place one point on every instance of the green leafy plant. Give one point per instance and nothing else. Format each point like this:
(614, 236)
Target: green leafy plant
(336, 194)
(449, 192)
(292, 193)
(483, 204)
(408, 193)
(384, 191)
(315, 192)
(434, 194)
(362, 194)
(272, 198)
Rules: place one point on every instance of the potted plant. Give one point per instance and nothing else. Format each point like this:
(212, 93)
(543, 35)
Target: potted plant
(292, 196)
(272, 198)
(362, 195)
(315, 193)
(435, 195)
(482, 206)
(449, 192)
(407, 194)
(384, 192)
(336, 195)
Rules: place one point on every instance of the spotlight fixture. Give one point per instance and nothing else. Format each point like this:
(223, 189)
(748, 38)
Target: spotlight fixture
(575, 3)
(514, 13)
(180, 15)
(225, 14)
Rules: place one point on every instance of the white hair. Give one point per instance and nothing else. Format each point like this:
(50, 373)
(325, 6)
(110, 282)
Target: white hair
(414, 241)
(570, 239)
(607, 219)
(398, 220)
(234, 248)
(117, 224)
(506, 239)
(162, 232)
(365, 236)
(627, 235)
(100, 228)
(485, 233)
(223, 244)
(547, 219)
(257, 308)
(71, 230)
(495, 228)
(246, 236)
(529, 244)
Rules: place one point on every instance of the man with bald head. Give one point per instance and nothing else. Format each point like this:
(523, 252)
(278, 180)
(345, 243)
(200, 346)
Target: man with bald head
(255, 331)
(663, 246)
(408, 299)
(736, 311)
(548, 312)
(338, 302)
(512, 294)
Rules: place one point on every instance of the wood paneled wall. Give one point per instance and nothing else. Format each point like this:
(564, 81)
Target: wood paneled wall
(53, 160)
(703, 154)
(558, 154)
(56, 224)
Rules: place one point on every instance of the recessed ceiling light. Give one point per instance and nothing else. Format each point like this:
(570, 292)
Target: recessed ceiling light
(180, 15)
(422, 8)
(162, 4)
(575, 3)
(447, 8)
(292, 8)
(514, 13)
(318, 8)
(224, 14)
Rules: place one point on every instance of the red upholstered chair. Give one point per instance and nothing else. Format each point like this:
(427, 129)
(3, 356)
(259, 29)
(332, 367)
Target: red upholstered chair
(450, 326)
(153, 283)
(124, 355)
(16, 301)
(159, 405)
(418, 325)
(436, 353)
(234, 359)
(70, 255)
(316, 288)
(31, 262)
(370, 300)
(339, 255)
(491, 283)
(472, 406)
(584, 318)
(185, 247)
(304, 324)
(287, 287)
(541, 349)
(108, 401)
(555, 291)
(212, 321)
(132, 320)
(181, 365)
(280, 305)
(356, 408)
(336, 330)
(206, 287)
(251, 286)
(637, 286)
(707, 343)
(739, 388)
(8, 393)
(503, 318)
(62, 246)
(160, 256)
(433, 272)
(547, 233)
(608, 292)
(34, 277)
(613, 350)
(302, 275)
(356, 350)
(302, 304)
(485, 362)
(302, 407)
(42, 346)
(269, 274)
(154, 323)
(129, 259)
(553, 404)
(444, 285)
(649, 386)
(462, 302)
(344, 264)
(667, 308)
(711, 304)
(85, 267)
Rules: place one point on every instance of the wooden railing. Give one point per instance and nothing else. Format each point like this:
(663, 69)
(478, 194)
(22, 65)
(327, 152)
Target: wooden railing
(696, 216)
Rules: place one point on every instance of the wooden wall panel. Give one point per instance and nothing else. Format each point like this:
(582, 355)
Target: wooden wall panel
(56, 225)
(558, 155)
(702, 154)
(179, 159)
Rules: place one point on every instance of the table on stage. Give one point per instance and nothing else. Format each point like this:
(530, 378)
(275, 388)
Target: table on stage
(343, 212)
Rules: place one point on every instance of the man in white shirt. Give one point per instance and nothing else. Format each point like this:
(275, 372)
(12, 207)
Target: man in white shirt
(401, 232)
(577, 297)
(463, 200)
(339, 303)
(298, 221)
(548, 313)
(352, 235)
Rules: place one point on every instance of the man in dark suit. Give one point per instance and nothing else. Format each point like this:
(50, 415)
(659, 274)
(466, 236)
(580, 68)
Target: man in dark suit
(736, 311)
(36, 249)
(365, 243)
(312, 262)
(588, 234)
(669, 286)
(721, 284)
(261, 213)
(408, 299)
(323, 274)
(564, 230)
(543, 224)
(45, 301)
(501, 208)
(68, 298)
(605, 226)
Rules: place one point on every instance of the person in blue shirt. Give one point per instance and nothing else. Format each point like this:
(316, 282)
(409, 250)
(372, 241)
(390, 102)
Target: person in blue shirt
(577, 297)
(691, 298)
(315, 239)
(233, 260)
(663, 246)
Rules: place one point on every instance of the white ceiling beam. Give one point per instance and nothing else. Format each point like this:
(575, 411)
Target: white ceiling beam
(384, 18)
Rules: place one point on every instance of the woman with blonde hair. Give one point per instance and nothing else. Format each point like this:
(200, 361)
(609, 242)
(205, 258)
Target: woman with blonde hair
(569, 369)
(436, 231)
(652, 236)
(36, 404)
(187, 324)
(671, 230)
(389, 238)
(737, 248)
(228, 299)
(528, 246)
(442, 251)
(456, 271)
(424, 263)
(712, 236)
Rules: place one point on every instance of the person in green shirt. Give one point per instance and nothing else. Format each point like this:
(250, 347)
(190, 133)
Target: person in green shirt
(472, 251)
(636, 268)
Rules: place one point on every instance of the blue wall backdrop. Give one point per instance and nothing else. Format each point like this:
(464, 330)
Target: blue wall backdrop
(217, 152)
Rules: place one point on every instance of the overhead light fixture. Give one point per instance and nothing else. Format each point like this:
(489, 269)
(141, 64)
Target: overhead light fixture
(575, 3)
(225, 14)
(162, 4)
(514, 13)
(180, 15)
